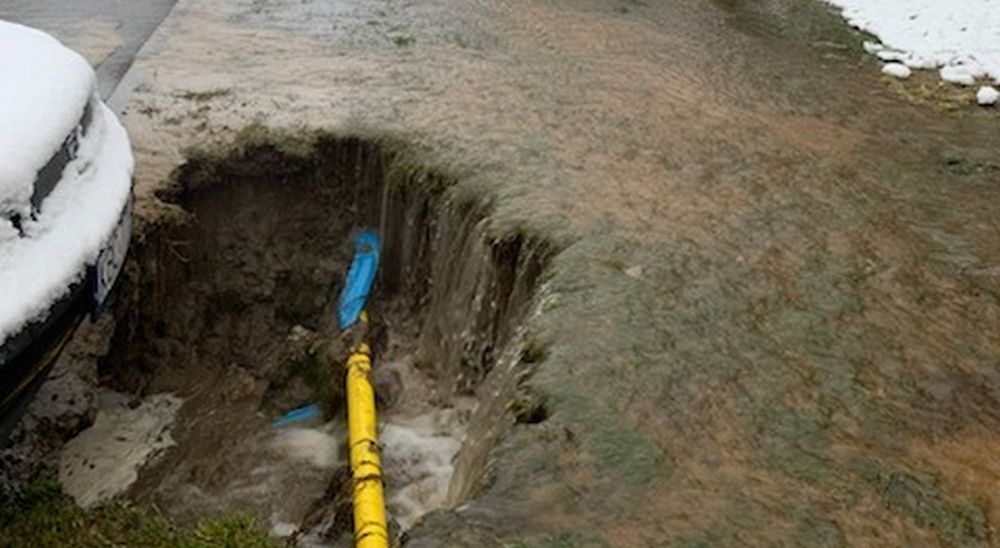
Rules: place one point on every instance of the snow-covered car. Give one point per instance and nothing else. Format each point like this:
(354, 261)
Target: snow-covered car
(65, 205)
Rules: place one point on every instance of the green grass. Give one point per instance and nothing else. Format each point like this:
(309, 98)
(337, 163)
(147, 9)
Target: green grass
(42, 516)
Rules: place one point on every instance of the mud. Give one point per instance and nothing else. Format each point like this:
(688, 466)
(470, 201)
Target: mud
(229, 314)
(66, 404)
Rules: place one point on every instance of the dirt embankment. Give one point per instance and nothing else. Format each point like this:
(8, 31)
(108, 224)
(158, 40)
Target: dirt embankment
(230, 311)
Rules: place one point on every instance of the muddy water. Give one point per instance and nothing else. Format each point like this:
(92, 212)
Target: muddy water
(228, 314)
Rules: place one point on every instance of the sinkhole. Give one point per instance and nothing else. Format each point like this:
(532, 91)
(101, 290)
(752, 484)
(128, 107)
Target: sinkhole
(228, 310)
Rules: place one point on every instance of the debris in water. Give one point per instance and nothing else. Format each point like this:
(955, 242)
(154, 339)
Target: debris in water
(301, 414)
(359, 279)
(329, 517)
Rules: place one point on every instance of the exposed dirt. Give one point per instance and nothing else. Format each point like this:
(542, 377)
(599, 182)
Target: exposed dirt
(222, 304)
(230, 316)
(773, 317)
(66, 404)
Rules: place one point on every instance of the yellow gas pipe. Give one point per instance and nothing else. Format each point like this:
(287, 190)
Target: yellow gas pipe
(370, 529)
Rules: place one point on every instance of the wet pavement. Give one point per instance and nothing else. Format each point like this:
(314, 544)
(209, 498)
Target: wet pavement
(773, 313)
(107, 32)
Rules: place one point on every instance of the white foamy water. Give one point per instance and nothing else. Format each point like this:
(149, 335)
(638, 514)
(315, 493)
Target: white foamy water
(235, 462)
(418, 457)
(419, 443)
(317, 447)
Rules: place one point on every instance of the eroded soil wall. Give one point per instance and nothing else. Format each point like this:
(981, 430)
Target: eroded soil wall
(225, 305)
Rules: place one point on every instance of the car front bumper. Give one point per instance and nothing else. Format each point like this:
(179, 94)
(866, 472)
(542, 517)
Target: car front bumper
(67, 268)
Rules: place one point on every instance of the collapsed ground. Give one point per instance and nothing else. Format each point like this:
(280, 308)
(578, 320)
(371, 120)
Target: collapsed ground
(235, 317)
(226, 321)
(773, 317)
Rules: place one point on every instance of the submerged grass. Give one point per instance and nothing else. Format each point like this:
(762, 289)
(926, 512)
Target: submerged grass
(42, 516)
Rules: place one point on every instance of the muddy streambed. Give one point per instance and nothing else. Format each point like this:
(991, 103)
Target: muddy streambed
(227, 321)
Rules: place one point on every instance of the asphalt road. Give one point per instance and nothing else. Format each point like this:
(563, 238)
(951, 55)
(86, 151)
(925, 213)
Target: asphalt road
(107, 32)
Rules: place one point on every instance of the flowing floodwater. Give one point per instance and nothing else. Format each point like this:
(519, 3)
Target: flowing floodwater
(773, 316)
(418, 457)
(229, 317)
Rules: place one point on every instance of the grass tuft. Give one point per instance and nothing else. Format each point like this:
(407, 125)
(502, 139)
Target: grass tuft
(41, 516)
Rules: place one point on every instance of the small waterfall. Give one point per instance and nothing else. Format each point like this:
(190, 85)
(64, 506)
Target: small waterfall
(473, 291)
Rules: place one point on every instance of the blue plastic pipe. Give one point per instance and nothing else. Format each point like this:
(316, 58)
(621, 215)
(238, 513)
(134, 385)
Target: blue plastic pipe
(360, 278)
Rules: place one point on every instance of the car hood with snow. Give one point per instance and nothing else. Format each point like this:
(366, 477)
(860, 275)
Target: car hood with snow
(46, 88)
(65, 179)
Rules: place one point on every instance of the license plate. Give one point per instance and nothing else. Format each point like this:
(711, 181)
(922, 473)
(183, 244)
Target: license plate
(112, 257)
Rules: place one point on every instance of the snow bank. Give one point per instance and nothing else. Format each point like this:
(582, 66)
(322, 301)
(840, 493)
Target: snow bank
(76, 219)
(44, 88)
(962, 38)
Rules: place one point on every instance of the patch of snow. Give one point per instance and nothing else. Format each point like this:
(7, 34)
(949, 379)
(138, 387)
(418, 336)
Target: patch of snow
(44, 90)
(962, 38)
(7, 232)
(898, 70)
(957, 74)
(76, 220)
(987, 96)
(104, 460)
